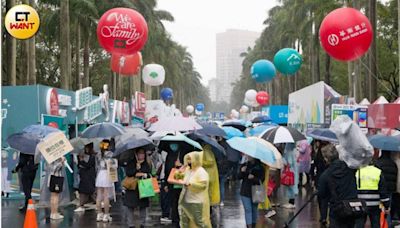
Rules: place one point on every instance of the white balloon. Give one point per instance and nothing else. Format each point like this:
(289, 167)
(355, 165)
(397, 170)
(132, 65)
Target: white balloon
(250, 95)
(153, 74)
(233, 111)
(247, 102)
(189, 109)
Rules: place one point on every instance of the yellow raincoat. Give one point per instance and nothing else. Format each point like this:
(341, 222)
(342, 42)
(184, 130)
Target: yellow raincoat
(210, 165)
(266, 205)
(194, 205)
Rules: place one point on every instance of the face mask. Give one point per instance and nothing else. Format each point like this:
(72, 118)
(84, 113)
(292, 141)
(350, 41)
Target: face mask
(173, 147)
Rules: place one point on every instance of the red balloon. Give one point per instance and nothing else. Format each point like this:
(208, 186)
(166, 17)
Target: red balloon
(346, 34)
(128, 65)
(122, 31)
(53, 124)
(262, 98)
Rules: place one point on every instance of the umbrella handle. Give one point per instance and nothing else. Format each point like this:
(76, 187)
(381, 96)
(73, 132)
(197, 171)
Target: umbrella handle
(68, 167)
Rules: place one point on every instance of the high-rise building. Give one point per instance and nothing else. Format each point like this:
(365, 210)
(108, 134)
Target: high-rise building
(212, 87)
(230, 45)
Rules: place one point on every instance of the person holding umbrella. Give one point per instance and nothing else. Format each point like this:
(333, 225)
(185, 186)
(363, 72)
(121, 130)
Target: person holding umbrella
(138, 167)
(290, 160)
(103, 182)
(87, 175)
(28, 168)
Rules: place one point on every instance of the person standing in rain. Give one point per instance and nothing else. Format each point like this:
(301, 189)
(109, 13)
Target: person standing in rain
(55, 185)
(290, 160)
(210, 165)
(138, 167)
(87, 175)
(251, 173)
(103, 182)
(28, 170)
(194, 204)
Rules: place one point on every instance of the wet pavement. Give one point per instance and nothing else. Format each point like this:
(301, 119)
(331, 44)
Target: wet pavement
(230, 216)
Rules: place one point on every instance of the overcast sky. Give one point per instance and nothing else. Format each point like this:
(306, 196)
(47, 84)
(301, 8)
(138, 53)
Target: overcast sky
(197, 22)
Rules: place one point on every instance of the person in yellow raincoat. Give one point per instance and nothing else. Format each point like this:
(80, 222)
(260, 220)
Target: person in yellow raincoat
(194, 204)
(210, 165)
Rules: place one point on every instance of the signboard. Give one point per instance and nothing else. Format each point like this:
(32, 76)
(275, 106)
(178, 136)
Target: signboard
(140, 102)
(277, 113)
(58, 120)
(357, 113)
(52, 105)
(112, 165)
(384, 116)
(93, 110)
(83, 97)
(54, 147)
(64, 100)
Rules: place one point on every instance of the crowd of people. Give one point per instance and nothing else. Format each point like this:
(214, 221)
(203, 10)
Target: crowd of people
(315, 164)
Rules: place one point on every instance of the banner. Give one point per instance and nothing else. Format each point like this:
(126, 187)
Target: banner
(54, 147)
(358, 113)
(384, 116)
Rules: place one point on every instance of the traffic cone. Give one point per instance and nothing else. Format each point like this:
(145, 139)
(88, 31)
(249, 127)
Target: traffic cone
(30, 216)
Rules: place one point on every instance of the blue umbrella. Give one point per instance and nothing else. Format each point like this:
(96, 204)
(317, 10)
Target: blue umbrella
(252, 147)
(262, 119)
(126, 143)
(232, 132)
(384, 142)
(103, 130)
(257, 131)
(27, 140)
(211, 130)
(238, 124)
(324, 134)
(218, 150)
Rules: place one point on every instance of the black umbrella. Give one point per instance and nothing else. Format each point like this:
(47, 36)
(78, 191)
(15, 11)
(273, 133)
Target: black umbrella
(218, 150)
(211, 130)
(236, 124)
(282, 135)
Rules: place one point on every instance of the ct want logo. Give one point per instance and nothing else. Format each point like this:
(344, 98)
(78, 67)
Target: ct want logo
(333, 39)
(22, 21)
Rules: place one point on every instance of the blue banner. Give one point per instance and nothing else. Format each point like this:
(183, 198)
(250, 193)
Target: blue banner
(278, 113)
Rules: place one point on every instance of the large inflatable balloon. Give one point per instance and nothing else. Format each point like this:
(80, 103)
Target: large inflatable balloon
(262, 71)
(244, 109)
(122, 31)
(250, 95)
(167, 94)
(189, 109)
(287, 61)
(346, 39)
(262, 98)
(153, 74)
(126, 64)
(200, 107)
(247, 102)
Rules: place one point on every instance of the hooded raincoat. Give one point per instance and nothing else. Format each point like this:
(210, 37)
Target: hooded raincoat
(290, 159)
(194, 204)
(210, 165)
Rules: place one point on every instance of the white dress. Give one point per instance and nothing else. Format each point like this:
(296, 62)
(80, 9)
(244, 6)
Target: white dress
(102, 178)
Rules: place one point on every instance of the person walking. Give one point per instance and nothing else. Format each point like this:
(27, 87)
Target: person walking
(87, 176)
(165, 198)
(55, 185)
(28, 170)
(372, 188)
(224, 170)
(304, 161)
(290, 160)
(138, 167)
(390, 173)
(103, 182)
(251, 173)
(341, 185)
(194, 202)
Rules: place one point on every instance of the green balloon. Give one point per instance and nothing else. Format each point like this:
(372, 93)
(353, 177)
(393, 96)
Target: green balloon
(288, 61)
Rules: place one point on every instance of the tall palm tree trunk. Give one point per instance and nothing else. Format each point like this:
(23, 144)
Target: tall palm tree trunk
(327, 69)
(32, 54)
(65, 50)
(86, 60)
(78, 79)
(11, 49)
(372, 57)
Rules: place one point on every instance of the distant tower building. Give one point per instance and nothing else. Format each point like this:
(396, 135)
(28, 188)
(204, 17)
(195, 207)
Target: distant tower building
(212, 87)
(230, 45)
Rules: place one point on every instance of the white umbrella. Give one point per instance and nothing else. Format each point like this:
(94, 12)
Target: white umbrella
(176, 123)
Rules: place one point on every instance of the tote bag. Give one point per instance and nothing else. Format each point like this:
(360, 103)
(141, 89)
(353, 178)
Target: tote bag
(146, 188)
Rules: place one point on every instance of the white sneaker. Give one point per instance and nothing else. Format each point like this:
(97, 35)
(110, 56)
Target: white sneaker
(270, 213)
(107, 218)
(289, 206)
(56, 216)
(165, 220)
(80, 209)
(222, 204)
(99, 217)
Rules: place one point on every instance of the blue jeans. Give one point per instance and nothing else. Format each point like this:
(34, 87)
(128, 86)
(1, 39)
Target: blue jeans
(250, 210)
(165, 201)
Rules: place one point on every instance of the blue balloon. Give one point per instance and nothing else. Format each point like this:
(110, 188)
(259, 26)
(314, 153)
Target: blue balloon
(167, 94)
(200, 107)
(263, 71)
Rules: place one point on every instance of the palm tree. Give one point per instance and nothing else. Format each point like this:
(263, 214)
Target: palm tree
(11, 46)
(65, 45)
